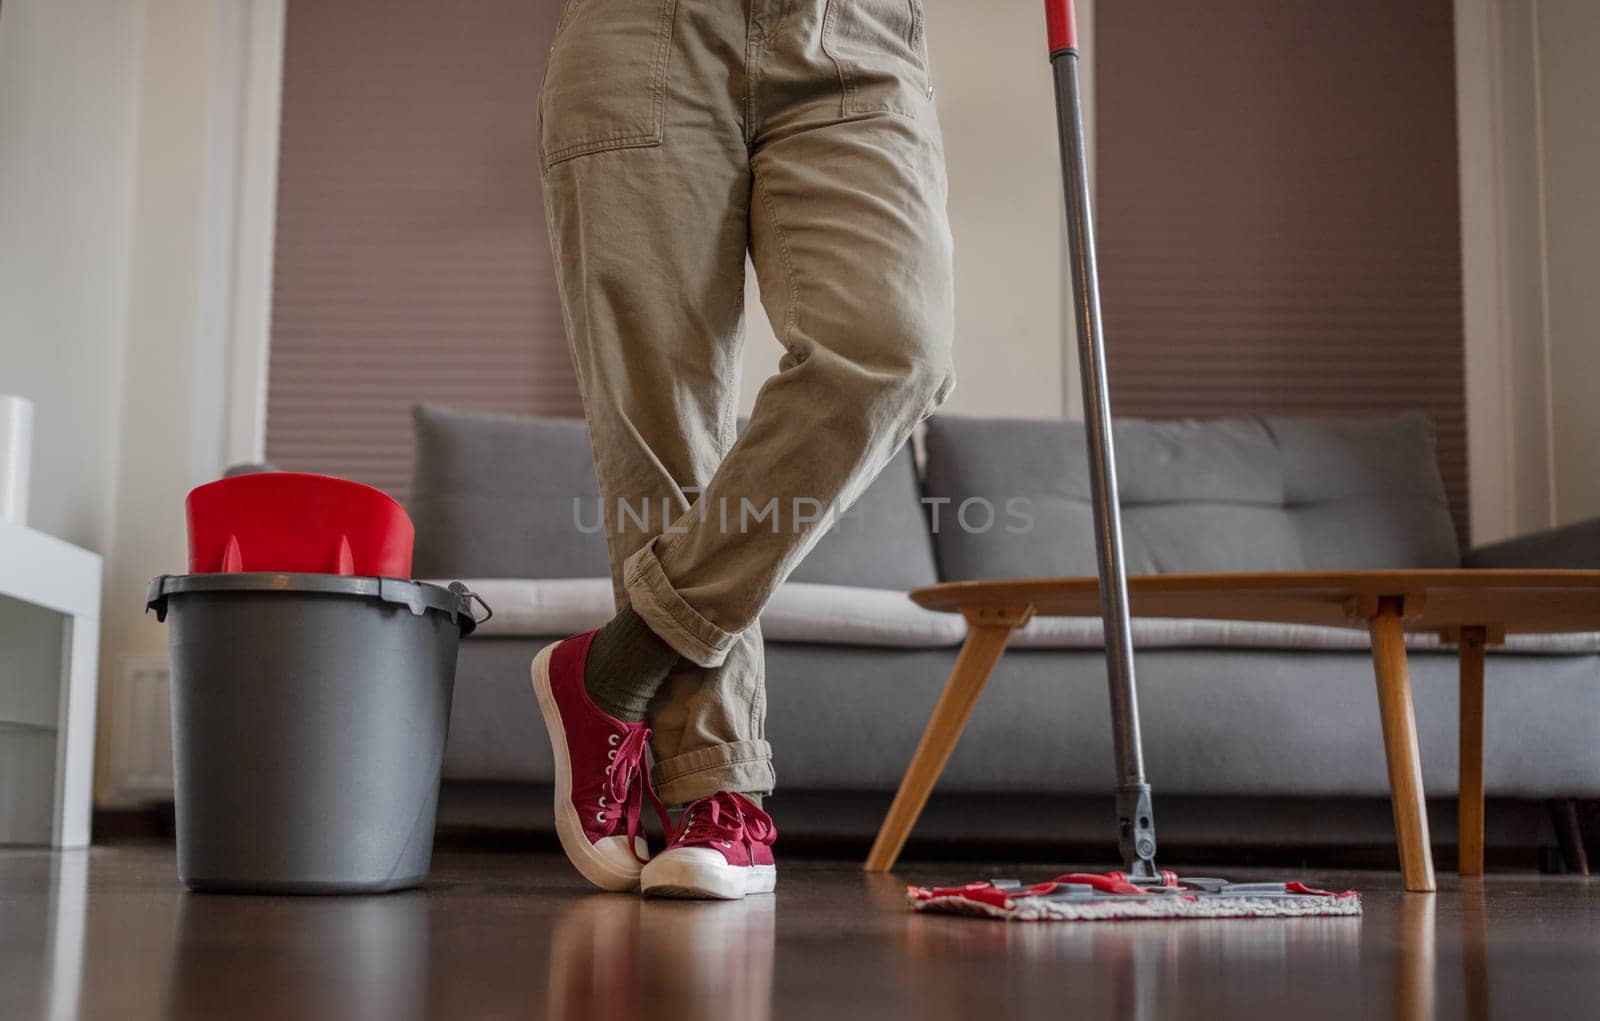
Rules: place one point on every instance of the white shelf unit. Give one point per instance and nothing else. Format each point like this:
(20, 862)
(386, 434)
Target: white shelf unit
(49, 652)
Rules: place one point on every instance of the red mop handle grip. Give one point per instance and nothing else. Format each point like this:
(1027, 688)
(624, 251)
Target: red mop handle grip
(1062, 25)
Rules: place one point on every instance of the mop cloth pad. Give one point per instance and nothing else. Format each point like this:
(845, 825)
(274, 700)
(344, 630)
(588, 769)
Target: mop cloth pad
(1096, 897)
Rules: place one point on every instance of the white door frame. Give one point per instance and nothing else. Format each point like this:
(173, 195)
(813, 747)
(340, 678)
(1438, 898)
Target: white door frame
(1509, 444)
(238, 237)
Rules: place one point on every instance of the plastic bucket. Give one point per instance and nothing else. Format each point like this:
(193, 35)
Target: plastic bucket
(309, 716)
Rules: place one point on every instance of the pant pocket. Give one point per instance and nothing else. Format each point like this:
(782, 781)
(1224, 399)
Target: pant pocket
(881, 50)
(605, 85)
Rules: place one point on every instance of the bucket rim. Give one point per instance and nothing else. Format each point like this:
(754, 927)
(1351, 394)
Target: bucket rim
(417, 596)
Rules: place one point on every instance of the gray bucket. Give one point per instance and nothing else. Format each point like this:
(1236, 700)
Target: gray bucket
(309, 714)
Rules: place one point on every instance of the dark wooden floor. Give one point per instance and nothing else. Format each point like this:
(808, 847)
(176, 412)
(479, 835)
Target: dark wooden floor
(109, 933)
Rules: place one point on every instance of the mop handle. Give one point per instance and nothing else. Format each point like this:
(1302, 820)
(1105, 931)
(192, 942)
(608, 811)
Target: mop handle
(1136, 825)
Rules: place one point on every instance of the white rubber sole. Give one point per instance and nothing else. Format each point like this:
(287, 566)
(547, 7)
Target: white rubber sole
(703, 874)
(617, 870)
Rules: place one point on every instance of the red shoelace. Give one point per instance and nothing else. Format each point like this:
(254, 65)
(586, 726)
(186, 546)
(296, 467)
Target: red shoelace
(724, 818)
(628, 784)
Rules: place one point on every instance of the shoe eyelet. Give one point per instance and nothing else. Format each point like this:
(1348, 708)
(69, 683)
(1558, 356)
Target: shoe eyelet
(602, 801)
(608, 771)
(600, 817)
(612, 740)
(611, 755)
(726, 843)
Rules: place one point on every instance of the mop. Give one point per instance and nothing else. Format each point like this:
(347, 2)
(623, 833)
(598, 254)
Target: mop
(1139, 890)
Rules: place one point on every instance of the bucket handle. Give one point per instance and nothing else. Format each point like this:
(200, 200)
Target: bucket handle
(409, 595)
(473, 597)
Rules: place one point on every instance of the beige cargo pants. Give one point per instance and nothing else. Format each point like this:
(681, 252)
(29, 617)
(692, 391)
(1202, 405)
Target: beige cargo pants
(675, 136)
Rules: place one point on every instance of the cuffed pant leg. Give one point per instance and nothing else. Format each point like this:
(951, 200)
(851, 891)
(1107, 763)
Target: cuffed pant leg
(710, 727)
(649, 240)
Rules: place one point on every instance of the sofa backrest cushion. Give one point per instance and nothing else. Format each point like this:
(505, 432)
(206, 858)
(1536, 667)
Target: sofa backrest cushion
(492, 497)
(880, 542)
(1245, 494)
(1366, 493)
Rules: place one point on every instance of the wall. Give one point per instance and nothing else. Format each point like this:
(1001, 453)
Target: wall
(1530, 152)
(163, 338)
(1280, 230)
(1502, 302)
(412, 255)
(996, 109)
(69, 74)
(113, 143)
(1568, 37)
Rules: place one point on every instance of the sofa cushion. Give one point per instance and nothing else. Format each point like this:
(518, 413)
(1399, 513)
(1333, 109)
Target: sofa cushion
(799, 612)
(1182, 633)
(1196, 496)
(882, 541)
(1365, 493)
(1245, 494)
(493, 497)
(808, 614)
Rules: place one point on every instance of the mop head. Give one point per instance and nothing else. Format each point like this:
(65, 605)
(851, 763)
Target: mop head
(1102, 897)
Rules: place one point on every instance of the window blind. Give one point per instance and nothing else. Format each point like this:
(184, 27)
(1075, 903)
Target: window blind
(412, 261)
(1278, 211)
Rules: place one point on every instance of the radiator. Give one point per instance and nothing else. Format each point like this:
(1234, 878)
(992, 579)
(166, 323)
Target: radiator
(141, 734)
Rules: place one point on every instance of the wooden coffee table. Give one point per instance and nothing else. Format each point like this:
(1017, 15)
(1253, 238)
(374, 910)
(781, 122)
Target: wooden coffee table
(1471, 609)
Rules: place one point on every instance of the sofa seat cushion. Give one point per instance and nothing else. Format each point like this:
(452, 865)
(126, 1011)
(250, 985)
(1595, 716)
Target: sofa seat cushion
(801, 612)
(1175, 633)
(811, 614)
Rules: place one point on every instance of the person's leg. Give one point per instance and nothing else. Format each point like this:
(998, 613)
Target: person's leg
(852, 246)
(647, 189)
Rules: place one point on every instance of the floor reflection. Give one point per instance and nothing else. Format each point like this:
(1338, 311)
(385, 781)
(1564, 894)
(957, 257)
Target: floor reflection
(344, 957)
(1415, 958)
(1475, 950)
(67, 906)
(623, 956)
(111, 934)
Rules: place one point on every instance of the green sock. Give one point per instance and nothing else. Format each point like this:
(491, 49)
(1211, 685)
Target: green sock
(627, 663)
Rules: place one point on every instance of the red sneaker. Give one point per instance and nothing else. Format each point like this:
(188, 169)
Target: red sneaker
(602, 777)
(722, 850)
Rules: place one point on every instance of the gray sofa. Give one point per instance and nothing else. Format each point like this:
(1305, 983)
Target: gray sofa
(1254, 732)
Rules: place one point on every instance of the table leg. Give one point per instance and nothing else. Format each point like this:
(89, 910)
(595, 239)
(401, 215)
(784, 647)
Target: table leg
(1471, 760)
(987, 634)
(1400, 746)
